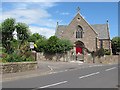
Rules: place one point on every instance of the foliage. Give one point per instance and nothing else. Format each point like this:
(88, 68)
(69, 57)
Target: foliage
(56, 45)
(34, 37)
(24, 54)
(63, 46)
(51, 45)
(100, 52)
(116, 45)
(14, 57)
(8, 27)
(41, 44)
(107, 52)
(22, 32)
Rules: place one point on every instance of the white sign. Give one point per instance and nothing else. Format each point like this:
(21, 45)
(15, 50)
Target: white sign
(31, 45)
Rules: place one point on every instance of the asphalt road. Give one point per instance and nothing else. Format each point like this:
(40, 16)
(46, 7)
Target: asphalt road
(90, 77)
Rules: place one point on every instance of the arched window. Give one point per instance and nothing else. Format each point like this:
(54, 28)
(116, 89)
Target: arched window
(79, 32)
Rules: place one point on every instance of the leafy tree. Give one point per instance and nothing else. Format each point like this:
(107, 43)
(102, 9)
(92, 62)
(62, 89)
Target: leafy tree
(115, 45)
(41, 43)
(51, 45)
(0, 34)
(56, 45)
(22, 32)
(64, 45)
(34, 37)
(8, 27)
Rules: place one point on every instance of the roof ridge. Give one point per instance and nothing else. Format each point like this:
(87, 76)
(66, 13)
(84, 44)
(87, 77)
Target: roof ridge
(98, 24)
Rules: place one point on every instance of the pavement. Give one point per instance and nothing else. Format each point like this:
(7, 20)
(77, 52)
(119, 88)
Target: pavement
(46, 67)
(90, 76)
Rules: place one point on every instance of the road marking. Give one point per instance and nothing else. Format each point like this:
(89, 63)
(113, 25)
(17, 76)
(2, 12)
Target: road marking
(110, 69)
(53, 84)
(66, 70)
(90, 66)
(50, 68)
(88, 75)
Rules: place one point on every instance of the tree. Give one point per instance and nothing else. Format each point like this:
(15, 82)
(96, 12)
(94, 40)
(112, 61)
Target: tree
(41, 44)
(56, 45)
(22, 32)
(51, 45)
(64, 45)
(34, 37)
(8, 27)
(115, 45)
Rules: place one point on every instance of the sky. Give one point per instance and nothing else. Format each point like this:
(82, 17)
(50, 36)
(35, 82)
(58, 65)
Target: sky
(42, 17)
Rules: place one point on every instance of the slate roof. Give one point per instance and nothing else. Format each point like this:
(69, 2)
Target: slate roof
(60, 29)
(101, 30)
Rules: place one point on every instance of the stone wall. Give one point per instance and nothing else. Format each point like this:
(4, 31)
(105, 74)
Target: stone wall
(18, 67)
(69, 57)
(56, 57)
(107, 59)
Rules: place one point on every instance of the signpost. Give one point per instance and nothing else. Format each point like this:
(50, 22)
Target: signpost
(31, 45)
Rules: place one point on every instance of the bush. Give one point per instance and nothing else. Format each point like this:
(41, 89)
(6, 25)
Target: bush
(107, 52)
(100, 52)
(14, 57)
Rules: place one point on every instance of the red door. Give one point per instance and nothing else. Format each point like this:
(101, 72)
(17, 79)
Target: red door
(78, 50)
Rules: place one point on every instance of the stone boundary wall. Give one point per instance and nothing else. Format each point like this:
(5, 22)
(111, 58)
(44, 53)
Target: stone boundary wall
(87, 58)
(14, 67)
(56, 57)
(107, 59)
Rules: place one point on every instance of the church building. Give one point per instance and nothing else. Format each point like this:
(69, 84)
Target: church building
(85, 36)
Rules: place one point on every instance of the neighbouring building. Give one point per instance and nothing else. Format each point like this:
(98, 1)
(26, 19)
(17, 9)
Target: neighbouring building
(84, 36)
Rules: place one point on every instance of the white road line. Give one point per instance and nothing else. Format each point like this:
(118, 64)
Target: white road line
(110, 69)
(88, 75)
(50, 68)
(66, 70)
(53, 84)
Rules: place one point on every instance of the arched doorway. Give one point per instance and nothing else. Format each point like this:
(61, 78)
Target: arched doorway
(79, 49)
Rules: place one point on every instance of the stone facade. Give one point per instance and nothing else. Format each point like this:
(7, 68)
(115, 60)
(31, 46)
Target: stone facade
(18, 67)
(94, 36)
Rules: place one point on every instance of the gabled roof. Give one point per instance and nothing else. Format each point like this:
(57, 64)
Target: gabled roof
(59, 30)
(102, 30)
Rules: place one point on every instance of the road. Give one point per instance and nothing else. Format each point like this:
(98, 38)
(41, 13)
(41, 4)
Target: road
(91, 77)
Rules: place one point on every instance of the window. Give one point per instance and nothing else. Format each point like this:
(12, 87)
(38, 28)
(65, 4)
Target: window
(79, 32)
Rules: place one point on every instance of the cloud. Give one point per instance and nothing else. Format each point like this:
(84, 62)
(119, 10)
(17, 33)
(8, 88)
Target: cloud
(60, 0)
(65, 13)
(33, 14)
(28, 16)
(31, 0)
(43, 31)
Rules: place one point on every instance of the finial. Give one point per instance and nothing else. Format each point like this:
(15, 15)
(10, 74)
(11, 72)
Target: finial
(57, 23)
(78, 9)
(107, 20)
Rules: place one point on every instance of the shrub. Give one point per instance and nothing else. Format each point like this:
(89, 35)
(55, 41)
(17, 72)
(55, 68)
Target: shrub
(107, 52)
(14, 57)
(100, 52)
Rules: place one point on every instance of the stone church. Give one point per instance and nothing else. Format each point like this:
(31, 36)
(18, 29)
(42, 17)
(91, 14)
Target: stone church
(85, 36)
